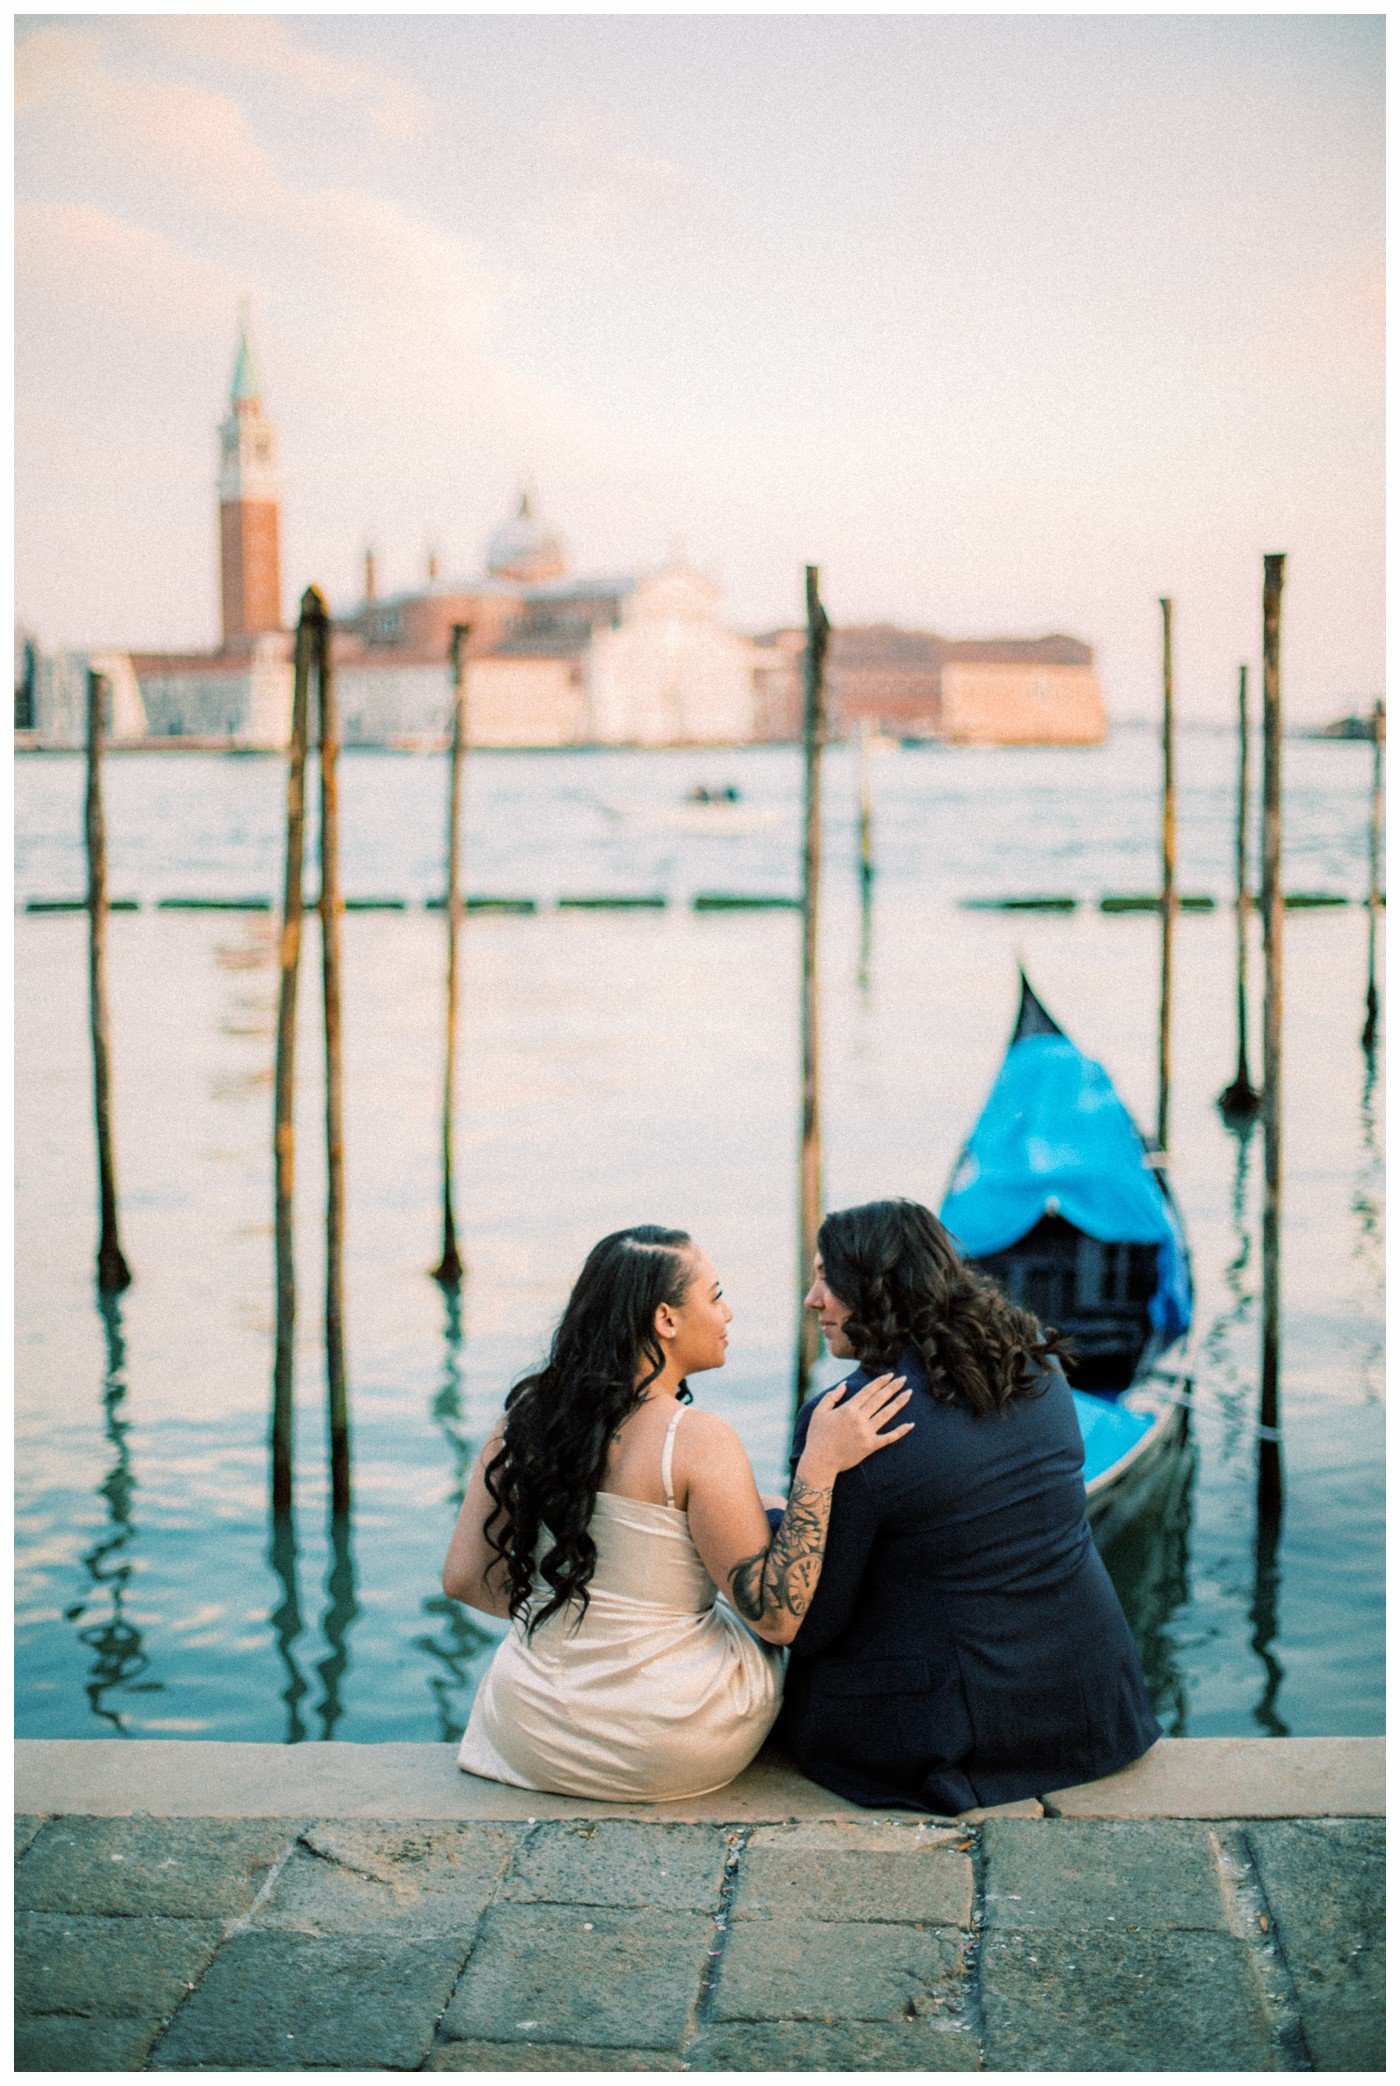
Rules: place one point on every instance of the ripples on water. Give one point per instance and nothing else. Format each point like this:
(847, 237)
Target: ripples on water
(618, 1067)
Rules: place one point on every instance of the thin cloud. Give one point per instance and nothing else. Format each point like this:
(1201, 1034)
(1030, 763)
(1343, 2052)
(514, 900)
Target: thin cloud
(602, 200)
(373, 318)
(262, 47)
(86, 258)
(53, 61)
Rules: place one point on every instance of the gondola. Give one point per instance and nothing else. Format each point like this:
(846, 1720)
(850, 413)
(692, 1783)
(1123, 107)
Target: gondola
(1061, 1199)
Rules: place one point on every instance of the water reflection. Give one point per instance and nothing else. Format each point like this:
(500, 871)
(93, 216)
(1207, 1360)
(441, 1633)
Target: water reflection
(867, 932)
(1366, 1197)
(287, 1625)
(1263, 1618)
(119, 1657)
(1149, 1564)
(447, 1401)
(341, 1610)
(459, 1642)
(1220, 1347)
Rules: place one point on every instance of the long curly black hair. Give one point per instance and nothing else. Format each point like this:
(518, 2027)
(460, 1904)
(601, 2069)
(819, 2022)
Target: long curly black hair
(905, 1283)
(560, 1419)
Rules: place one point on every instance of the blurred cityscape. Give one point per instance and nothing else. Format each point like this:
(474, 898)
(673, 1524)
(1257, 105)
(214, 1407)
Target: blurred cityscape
(554, 657)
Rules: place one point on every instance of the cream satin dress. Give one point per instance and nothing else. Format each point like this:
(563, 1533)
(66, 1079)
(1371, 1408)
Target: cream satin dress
(658, 1691)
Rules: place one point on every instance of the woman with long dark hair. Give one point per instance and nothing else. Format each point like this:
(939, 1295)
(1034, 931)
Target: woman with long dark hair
(965, 1645)
(603, 1528)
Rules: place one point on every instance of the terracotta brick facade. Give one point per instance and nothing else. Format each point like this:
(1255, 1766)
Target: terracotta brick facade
(915, 684)
(422, 624)
(250, 569)
(1020, 703)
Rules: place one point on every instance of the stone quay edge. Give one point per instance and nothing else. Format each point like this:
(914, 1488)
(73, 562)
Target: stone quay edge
(176, 1778)
(220, 1907)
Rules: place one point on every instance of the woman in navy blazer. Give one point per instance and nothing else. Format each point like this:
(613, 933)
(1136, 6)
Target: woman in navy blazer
(965, 1645)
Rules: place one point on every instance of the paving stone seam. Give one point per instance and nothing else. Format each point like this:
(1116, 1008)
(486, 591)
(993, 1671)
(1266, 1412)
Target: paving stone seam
(701, 2013)
(46, 1820)
(1252, 1919)
(534, 1827)
(333, 1861)
(971, 1993)
(436, 2039)
(236, 1923)
(242, 1920)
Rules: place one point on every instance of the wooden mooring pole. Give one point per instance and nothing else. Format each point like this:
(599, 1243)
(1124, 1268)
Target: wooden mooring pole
(1373, 893)
(338, 1417)
(1169, 894)
(865, 821)
(865, 848)
(284, 1102)
(450, 1268)
(1271, 899)
(113, 1274)
(1239, 1102)
(810, 1155)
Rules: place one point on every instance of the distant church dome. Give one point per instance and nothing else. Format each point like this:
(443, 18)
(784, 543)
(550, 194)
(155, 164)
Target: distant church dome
(525, 550)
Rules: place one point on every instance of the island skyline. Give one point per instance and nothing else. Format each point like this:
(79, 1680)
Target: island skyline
(1010, 325)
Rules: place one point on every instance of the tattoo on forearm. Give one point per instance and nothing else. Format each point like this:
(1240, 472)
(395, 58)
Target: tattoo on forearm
(781, 1579)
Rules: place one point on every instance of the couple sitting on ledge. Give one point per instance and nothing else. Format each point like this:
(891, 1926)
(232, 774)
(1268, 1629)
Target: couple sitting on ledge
(953, 1638)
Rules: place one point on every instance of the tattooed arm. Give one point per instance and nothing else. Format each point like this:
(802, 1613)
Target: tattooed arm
(778, 1582)
(771, 1575)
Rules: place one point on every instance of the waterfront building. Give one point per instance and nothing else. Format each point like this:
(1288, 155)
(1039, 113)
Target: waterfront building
(250, 564)
(914, 684)
(551, 659)
(666, 671)
(26, 678)
(241, 693)
(57, 703)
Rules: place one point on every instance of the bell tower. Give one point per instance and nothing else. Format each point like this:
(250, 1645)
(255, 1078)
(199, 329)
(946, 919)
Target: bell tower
(250, 584)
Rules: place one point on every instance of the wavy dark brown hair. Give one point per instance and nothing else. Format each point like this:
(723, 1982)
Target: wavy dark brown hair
(560, 1419)
(905, 1283)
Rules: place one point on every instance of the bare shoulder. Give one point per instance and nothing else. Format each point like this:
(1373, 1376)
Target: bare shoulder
(706, 1438)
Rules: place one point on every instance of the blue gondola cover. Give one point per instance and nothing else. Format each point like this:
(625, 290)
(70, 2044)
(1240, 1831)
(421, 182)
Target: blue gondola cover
(1056, 1140)
(1109, 1432)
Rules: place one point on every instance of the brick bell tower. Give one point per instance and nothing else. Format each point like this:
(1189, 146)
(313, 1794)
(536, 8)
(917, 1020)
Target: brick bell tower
(250, 583)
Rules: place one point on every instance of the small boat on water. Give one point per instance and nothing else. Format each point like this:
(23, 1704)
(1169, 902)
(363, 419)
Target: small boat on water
(1061, 1199)
(707, 808)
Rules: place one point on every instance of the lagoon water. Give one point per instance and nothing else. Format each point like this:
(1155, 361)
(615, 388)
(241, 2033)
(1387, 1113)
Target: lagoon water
(616, 1067)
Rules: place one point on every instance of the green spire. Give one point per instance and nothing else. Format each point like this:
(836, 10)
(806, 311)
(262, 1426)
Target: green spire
(246, 382)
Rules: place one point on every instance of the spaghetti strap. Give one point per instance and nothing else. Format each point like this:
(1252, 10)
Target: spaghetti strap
(666, 1447)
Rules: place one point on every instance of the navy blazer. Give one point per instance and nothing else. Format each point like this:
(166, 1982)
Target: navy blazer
(964, 1645)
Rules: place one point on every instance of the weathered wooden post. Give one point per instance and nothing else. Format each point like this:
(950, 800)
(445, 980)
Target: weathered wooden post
(1373, 893)
(449, 1270)
(113, 1274)
(330, 906)
(284, 1103)
(1271, 898)
(865, 815)
(1169, 897)
(810, 1155)
(1239, 1102)
(865, 848)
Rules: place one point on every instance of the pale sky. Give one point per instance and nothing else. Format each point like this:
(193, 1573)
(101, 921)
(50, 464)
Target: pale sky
(1012, 324)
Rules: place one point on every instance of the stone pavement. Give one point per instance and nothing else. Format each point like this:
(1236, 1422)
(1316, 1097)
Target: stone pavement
(869, 1944)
